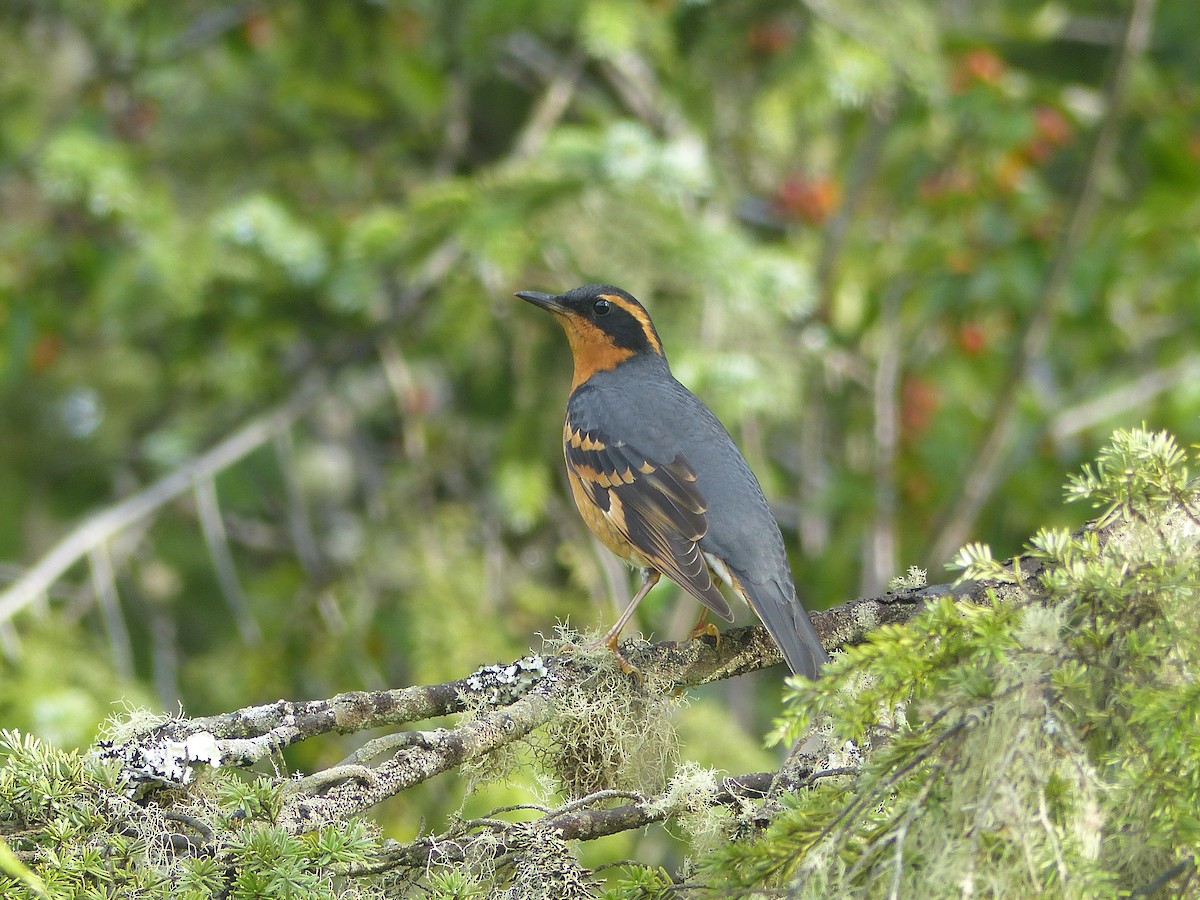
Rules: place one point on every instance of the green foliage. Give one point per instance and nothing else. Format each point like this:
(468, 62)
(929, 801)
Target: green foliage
(66, 819)
(1138, 469)
(1043, 743)
(642, 883)
(62, 685)
(841, 216)
(13, 868)
(455, 885)
(257, 799)
(203, 205)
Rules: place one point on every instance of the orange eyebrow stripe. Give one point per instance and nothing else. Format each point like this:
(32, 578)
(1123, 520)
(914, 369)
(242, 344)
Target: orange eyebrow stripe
(638, 313)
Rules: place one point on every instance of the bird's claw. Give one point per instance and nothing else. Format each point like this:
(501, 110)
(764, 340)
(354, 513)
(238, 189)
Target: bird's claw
(626, 666)
(706, 628)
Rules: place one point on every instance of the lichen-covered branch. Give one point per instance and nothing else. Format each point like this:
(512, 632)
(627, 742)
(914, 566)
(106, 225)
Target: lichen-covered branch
(506, 703)
(589, 818)
(428, 754)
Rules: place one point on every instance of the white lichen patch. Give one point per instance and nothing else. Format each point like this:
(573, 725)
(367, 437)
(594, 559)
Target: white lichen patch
(865, 617)
(1039, 628)
(691, 798)
(496, 685)
(163, 763)
(692, 787)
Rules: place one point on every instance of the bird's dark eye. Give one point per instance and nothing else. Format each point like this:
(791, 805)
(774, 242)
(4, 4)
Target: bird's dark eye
(601, 307)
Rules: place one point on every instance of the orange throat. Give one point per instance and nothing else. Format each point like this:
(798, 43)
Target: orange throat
(592, 349)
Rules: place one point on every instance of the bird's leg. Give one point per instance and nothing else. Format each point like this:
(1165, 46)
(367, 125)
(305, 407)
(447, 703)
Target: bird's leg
(649, 579)
(703, 626)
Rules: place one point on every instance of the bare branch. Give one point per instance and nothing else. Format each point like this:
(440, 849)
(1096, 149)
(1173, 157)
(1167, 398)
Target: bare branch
(1120, 400)
(634, 82)
(584, 819)
(308, 551)
(550, 107)
(104, 583)
(427, 754)
(879, 549)
(862, 169)
(102, 526)
(208, 507)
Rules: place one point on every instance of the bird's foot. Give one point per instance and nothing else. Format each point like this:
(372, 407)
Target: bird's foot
(626, 666)
(703, 628)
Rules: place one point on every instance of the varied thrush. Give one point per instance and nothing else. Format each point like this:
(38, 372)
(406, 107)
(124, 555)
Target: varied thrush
(659, 480)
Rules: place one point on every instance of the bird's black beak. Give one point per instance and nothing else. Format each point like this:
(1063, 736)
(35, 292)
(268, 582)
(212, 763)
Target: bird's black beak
(548, 302)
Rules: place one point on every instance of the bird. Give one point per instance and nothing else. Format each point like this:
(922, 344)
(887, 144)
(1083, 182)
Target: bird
(658, 479)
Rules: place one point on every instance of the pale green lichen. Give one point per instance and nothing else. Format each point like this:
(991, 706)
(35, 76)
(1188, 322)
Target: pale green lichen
(609, 733)
(914, 579)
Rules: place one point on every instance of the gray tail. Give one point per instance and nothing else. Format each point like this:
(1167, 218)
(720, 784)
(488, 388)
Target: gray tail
(788, 622)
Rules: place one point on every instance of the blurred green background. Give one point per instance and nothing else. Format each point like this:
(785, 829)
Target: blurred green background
(843, 218)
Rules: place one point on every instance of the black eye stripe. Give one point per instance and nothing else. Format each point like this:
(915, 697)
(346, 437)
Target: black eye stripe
(601, 307)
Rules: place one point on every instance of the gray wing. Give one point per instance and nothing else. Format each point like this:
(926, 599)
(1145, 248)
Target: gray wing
(654, 505)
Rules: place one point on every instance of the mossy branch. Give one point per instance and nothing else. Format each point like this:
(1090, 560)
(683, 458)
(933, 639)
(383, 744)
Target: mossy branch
(507, 702)
(585, 819)
(971, 728)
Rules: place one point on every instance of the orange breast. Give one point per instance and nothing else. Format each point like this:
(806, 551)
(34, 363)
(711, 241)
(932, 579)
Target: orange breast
(601, 524)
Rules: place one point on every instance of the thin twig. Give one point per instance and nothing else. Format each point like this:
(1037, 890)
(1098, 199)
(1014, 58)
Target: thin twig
(1184, 865)
(102, 526)
(1122, 399)
(164, 655)
(10, 642)
(551, 106)
(208, 506)
(300, 528)
(104, 583)
(596, 797)
(862, 168)
(879, 550)
(211, 24)
(456, 133)
(634, 83)
(1064, 875)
